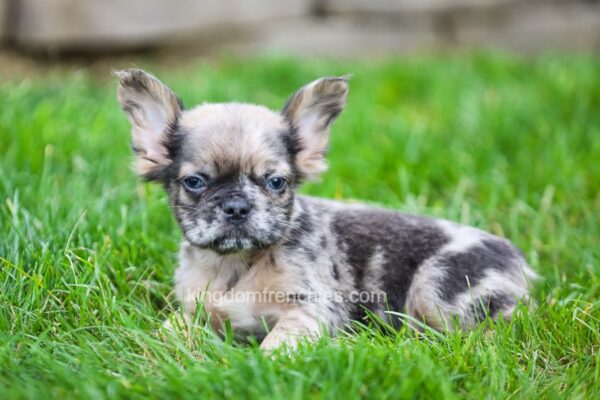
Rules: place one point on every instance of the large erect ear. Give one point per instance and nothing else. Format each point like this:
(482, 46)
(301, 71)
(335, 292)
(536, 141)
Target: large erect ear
(310, 112)
(153, 110)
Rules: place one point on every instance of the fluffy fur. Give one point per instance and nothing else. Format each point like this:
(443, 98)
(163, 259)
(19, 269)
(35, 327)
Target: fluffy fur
(260, 256)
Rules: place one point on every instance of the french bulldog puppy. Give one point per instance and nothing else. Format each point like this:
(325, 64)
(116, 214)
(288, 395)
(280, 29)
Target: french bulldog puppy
(280, 266)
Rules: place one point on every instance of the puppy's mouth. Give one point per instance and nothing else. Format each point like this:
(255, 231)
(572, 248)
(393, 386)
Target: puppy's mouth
(235, 240)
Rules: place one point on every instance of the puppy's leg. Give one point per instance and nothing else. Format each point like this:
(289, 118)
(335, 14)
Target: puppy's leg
(296, 324)
(470, 285)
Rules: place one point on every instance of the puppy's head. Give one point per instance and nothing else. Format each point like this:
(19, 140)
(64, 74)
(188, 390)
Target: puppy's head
(230, 169)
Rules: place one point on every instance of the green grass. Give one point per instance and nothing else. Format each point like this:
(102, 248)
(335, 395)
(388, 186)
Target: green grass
(87, 253)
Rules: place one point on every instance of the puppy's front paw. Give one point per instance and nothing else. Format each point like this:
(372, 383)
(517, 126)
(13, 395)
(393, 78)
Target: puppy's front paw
(270, 343)
(276, 341)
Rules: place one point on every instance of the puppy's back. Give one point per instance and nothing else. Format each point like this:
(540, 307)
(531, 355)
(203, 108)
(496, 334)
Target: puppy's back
(432, 269)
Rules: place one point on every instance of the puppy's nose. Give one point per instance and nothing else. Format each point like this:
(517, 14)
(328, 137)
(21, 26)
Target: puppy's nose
(236, 209)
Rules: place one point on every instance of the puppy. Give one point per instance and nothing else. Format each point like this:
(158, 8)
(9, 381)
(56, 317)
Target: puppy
(280, 266)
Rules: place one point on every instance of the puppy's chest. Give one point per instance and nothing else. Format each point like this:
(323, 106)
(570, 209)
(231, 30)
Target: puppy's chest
(246, 296)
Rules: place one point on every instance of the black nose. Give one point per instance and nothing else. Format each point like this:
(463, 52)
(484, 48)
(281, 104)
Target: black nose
(236, 209)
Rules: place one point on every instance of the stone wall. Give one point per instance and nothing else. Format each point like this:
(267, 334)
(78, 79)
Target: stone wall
(313, 27)
(3, 20)
(109, 24)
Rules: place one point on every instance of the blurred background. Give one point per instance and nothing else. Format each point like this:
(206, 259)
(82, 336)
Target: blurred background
(88, 30)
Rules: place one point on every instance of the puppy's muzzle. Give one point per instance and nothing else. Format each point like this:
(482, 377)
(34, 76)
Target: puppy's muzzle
(236, 209)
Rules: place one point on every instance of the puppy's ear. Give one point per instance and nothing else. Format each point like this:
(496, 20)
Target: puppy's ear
(310, 112)
(153, 110)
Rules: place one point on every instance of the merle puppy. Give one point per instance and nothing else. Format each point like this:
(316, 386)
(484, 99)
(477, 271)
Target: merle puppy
(282, 266)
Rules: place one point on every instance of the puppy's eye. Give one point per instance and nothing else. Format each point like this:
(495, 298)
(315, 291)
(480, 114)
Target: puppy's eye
(276, 184)
(194, 183)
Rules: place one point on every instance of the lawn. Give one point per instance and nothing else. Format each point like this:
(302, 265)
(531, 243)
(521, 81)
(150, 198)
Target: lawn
(508, 144)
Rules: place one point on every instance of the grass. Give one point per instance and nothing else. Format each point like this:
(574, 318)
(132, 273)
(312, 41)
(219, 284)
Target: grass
(87, 253)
